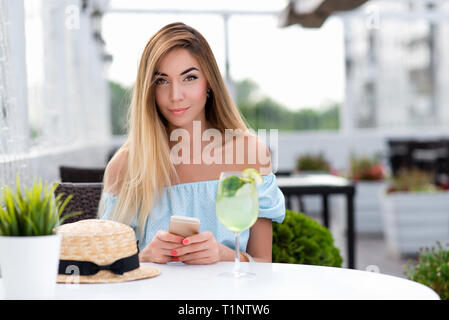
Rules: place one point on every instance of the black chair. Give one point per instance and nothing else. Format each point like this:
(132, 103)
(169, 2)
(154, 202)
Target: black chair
(399, 154)
(426, 153)
(81, 175)
(86, 198)
(442, 164)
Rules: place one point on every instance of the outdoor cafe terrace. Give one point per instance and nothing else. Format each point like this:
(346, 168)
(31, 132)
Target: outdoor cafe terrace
(372, 169)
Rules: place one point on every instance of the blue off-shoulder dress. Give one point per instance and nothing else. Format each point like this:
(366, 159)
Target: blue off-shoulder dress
(197, 199)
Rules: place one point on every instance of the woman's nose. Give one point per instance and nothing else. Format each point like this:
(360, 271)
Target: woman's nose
(176, 92)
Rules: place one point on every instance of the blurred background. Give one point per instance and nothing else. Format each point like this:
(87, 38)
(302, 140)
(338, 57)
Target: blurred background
(361, 86)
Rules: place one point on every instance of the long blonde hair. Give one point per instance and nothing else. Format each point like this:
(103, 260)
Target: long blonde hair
(149, 168)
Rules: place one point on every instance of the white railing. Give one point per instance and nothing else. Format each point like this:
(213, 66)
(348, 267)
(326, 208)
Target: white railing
(52, 70)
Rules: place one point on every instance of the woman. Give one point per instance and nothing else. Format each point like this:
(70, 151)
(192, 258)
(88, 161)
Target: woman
(179, 92)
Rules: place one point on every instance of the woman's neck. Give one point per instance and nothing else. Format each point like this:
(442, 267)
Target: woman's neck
(193, 131)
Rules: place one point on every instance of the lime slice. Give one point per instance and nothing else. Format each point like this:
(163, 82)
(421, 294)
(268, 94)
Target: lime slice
(253, 174)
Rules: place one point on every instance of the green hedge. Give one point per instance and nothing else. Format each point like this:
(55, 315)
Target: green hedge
(300, 239)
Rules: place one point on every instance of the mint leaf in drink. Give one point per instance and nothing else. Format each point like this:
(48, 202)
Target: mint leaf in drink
(230, 185)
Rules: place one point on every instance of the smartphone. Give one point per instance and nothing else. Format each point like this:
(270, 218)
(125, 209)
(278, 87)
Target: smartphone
(184, 226)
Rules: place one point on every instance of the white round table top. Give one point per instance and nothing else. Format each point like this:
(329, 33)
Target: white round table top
(273, 281)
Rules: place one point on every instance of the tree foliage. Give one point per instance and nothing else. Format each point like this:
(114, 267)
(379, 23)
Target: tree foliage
(265, 113)
(120, 99)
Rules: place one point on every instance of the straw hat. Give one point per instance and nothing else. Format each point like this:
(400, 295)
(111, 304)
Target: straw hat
(100, 251)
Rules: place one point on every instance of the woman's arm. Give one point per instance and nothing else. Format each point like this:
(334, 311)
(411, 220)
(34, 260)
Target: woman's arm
(260, 240)
(261, 233)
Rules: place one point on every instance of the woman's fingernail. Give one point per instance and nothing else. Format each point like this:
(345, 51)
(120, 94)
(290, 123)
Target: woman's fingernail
(175, 259)
(174, 253)
(185, 241)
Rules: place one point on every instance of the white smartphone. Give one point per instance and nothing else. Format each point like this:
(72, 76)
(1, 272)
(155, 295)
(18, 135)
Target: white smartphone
(184, 226)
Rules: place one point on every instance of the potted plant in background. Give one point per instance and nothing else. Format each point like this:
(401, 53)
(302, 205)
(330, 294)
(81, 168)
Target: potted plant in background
(431, 269)
(414, 212)
(369, 174)
(312, 163)
(29, 247)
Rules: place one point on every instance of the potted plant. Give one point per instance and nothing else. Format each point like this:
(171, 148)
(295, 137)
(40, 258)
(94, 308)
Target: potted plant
(431, 269)
(366, 168)
(312, 163)
(414, 212)
(29, 246)
(300, 239)
(369, 175)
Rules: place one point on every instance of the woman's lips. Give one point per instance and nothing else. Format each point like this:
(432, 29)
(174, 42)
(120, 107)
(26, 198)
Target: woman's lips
(178, 112)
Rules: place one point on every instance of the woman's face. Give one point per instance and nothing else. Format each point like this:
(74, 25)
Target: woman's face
(180, 88)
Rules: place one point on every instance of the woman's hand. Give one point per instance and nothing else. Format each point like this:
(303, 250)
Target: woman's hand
(161, 248)
(201, 248)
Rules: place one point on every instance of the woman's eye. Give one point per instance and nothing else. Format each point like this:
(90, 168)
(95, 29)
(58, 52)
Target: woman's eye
(191, 78)
(160, 81)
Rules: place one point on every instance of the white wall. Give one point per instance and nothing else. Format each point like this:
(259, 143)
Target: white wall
(337, 147)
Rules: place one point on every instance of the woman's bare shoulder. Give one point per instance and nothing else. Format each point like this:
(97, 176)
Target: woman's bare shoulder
(115, 172)
(249, 152)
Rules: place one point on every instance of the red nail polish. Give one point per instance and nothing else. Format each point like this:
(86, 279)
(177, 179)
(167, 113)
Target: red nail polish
(175, 259)
(185, 241)
(173, 253)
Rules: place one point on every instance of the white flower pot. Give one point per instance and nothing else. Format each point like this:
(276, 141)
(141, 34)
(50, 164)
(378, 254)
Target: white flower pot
(367, 206)
(415, 220)
(30, 266)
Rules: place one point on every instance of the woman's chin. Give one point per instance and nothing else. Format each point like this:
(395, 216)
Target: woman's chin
(180, 123)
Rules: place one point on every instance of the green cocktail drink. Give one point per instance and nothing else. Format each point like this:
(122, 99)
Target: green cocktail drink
(237, 207)
(238, 210)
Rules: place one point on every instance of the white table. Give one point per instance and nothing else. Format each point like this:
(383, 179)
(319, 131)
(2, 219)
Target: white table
(274, 281)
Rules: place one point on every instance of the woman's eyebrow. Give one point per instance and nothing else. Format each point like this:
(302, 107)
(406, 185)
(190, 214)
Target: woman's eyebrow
(188, 70)
(182, 73)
